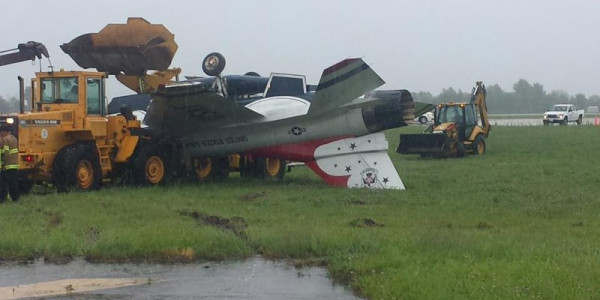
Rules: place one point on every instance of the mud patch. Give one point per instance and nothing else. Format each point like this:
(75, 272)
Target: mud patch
(181, 254)
(92, 234)
(356, 202)
(365, 222)
(578, 224)
(484, 225)
(54, 219)
(236, 224)
(445, 224)
(59, 260)
(253, 196)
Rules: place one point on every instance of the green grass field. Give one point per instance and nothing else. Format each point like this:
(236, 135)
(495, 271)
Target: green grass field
(520, 221)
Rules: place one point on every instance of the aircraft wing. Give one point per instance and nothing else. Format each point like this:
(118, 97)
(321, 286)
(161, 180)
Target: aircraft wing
(357, 163)
(342, 83)
(188, 107)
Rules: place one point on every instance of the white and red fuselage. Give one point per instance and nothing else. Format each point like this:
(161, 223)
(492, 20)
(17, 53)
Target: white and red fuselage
(337, 134)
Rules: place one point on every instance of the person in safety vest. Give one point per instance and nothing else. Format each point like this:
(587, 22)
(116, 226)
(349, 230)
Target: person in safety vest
(2, 184)
(9, 153)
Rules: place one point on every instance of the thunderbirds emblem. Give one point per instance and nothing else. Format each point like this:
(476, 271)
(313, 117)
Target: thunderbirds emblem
(369, 177)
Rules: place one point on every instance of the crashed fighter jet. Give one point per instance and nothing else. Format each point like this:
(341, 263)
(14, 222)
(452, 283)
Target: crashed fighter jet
(194, 125)
(337, 133)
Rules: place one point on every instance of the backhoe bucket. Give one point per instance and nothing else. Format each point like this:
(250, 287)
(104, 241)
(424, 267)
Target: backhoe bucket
(424, 144)
(131, 48)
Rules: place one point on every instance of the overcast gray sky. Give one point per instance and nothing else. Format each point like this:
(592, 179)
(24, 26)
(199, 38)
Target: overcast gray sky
(416, 45)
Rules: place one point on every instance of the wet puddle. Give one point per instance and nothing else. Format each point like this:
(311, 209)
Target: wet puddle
(254, 278)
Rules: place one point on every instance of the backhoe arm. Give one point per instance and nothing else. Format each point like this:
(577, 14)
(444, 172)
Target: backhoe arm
(479, 95)
(25, 51)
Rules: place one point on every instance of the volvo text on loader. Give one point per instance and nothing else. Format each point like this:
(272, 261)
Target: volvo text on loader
(457, 130)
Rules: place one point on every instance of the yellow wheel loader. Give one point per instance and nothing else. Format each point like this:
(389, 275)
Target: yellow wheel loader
(458, 128)
(67, 138)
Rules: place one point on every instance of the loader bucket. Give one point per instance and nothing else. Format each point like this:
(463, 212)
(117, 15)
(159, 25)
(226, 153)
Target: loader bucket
(131, 48)
(424, 144)
(148, 83)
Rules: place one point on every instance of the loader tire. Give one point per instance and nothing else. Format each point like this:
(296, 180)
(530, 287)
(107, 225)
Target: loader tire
(76, 167)
(212, 168)
(150, 166)
(269, 168)
(460, 150)
(479, 145)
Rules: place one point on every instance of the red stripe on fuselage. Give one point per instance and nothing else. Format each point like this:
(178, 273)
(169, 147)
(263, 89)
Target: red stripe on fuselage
(339, 65)
(303, 152)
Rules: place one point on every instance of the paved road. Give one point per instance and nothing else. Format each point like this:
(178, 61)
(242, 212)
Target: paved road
(531, 122)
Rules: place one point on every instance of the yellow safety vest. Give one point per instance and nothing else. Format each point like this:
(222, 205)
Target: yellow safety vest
(10, 152)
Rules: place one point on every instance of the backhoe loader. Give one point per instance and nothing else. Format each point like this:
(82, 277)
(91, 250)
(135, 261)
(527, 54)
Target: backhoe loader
(457, 130)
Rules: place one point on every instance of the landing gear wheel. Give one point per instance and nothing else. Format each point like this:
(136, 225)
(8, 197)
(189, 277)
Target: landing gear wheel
(479, 145)
(150, 166)
(76, 167)
(213, 64)
(269, 168)
(212, 168)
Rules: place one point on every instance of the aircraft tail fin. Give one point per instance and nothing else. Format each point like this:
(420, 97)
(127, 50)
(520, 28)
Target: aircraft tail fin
(342, 83)
(361, 162)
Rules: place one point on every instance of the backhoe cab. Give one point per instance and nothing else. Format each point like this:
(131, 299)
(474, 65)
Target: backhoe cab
(457, 130)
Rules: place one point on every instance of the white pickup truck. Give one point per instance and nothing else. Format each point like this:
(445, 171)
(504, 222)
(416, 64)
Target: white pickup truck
(563, 114)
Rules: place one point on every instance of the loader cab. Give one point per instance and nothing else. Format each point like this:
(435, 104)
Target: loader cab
(449, 113)
(81, 92)
(462, 114)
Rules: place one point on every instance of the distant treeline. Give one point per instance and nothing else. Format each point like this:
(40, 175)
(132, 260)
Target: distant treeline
(524, 98)
(9, 106)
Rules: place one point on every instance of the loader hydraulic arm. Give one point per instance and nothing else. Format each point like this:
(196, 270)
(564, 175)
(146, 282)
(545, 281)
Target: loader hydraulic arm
(478, 98)
(23, 52)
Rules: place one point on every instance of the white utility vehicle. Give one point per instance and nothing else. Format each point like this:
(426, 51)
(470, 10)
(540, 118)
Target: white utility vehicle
(426, 117)
(563, 114)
